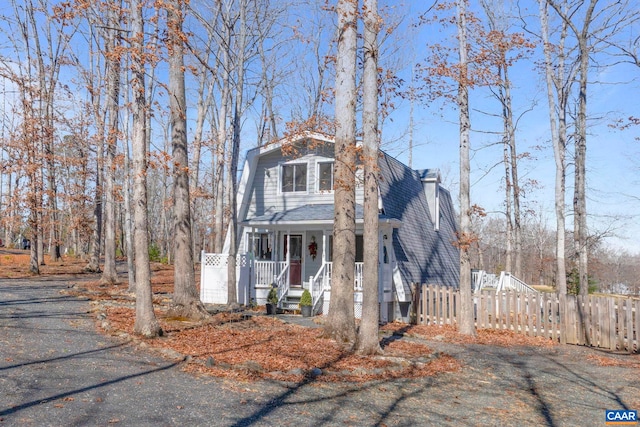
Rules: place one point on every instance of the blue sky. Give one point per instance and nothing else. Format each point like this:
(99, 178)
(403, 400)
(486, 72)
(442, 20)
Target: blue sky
(613, 167)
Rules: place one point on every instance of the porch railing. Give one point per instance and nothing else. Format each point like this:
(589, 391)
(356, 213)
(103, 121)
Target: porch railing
(317, 287)
(507, 281)
(357, 285)
(357, 278)
(266, 271)
(481, 280)
(282, 283)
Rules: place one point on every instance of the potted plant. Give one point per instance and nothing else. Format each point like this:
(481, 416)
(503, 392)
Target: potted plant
(272, 300)
(305, 303)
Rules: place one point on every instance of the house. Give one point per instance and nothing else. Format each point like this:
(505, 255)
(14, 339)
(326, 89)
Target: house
(285, 220)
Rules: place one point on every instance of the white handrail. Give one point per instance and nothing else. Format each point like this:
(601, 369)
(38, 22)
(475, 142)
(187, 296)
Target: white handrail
(482, 279)
(517, 284)
(282, 284)
(316, 286)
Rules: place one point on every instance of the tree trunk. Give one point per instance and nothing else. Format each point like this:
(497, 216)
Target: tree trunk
(581, 232)
(368, 340)
(96, 241)
(558, 133)
(146, 323)
(466, 325)
(232, 297)
(109, 273)
(186, 301)
(201, 109)
(218, 228)
(507, 201)
(340, 323)
(515, 183)
(128, 225)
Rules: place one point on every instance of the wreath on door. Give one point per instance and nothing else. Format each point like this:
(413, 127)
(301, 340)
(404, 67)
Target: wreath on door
(313, 248)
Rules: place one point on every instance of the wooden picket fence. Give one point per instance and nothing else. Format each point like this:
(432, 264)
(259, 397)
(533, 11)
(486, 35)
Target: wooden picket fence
(599, 321)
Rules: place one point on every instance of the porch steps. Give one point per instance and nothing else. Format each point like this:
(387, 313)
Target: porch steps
(292, 300)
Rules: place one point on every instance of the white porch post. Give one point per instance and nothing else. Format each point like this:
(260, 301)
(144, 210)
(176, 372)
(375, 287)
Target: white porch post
(275, 250)
(288, 256)
(324, 247)
(252, 271)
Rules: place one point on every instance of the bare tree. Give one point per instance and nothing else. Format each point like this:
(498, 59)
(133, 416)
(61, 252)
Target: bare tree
(112, 44)
(593, 28)
(465, 237)
(555, 82)
(502, 49)
(185, 295)
(241, 54)
(146, 323)
(368, 340)
(340, 319)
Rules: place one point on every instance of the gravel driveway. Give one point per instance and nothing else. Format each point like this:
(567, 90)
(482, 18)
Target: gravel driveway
(55, 370)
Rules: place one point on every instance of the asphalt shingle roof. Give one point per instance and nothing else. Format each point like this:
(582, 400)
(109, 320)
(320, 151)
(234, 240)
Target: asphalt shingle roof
(424, 255)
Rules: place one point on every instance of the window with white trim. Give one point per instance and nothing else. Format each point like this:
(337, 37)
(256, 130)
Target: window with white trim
(294, 178)
(325, 176)
(260, 246)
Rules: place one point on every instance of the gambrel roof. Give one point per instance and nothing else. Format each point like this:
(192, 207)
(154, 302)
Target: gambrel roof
(423, 245)
(424, 255)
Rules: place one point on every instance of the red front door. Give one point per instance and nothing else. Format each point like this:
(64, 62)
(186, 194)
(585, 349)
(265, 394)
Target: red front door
(295, 258)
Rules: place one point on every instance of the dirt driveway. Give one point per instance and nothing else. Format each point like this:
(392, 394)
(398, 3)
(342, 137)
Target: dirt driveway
(55, 370)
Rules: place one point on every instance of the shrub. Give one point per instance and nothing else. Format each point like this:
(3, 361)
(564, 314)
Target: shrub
(272, 298)
(154, 253)
(305, 299)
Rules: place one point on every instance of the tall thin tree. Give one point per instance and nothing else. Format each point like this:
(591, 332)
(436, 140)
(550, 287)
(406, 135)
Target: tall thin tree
(109, 273)
(558, 137)
(368, 340)
(465, 238)
(185, 295)
(146, 323)
(340, 319)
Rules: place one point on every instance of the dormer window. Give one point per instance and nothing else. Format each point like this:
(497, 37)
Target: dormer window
(294, 178)
(325, 176)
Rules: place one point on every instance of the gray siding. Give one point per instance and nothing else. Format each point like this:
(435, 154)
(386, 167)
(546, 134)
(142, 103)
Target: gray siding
(265, 196)
(423, 254)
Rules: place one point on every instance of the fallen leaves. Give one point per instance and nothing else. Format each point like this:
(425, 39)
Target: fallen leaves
(235, 346)
(449, 333)
(632, 362)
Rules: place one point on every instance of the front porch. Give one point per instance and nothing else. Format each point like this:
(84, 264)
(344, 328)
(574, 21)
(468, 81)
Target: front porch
(256, 277)
(266, 274)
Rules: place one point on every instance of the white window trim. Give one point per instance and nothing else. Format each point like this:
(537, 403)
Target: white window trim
(281, 174)
(436, 220)
(317, 184)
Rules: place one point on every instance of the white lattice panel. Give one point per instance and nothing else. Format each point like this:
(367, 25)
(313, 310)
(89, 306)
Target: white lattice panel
(215, 260)
(214, 274)
(357, 310)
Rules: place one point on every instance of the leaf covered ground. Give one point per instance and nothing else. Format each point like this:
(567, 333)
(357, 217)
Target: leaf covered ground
(249, 345)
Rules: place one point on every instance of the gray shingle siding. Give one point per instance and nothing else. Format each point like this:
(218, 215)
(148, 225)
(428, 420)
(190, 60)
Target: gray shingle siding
(423, 254)
(265, 196)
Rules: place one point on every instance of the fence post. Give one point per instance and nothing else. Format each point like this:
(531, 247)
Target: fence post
(425, 304)
(415, 296)
(636, 304)
(563, 323)
(629, 328)
(620, 319)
